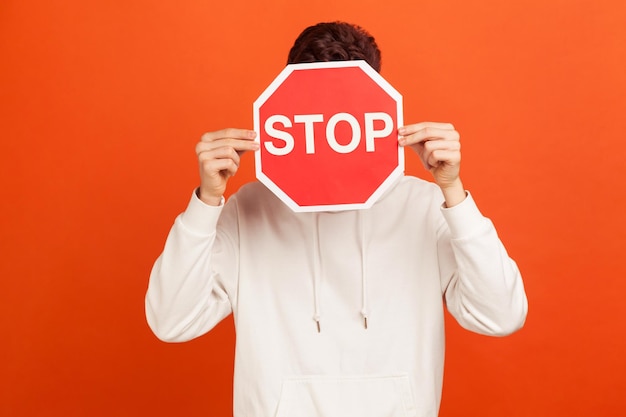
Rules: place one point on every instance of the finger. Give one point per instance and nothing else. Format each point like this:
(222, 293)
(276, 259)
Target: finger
(443, 156)
(220, 166)
(225, 152)
(439, 147)
(429, 133)
(410, 129)
(229, 133)
(440, 144)
(239, 145)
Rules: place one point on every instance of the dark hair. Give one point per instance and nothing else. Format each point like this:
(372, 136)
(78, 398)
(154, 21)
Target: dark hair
(335, 41)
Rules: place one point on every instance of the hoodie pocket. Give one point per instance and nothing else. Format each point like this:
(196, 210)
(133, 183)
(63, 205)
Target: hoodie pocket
(323, 396)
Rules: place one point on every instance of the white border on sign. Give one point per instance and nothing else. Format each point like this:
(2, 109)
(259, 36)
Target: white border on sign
(371, 72)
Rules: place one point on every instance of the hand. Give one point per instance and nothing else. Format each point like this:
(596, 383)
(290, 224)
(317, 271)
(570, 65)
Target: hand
(439, 149)
(218, 158)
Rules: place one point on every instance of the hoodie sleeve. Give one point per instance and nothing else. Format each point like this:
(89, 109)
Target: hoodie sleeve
(185, 297)
(482, 285)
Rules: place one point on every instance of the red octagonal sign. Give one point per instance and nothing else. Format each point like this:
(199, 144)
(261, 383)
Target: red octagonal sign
(329, 136)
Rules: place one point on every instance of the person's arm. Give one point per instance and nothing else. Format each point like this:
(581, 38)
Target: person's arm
(187, 295)
(482, 285)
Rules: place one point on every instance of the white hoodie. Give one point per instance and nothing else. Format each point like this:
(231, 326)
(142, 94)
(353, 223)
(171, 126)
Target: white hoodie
(337, 314)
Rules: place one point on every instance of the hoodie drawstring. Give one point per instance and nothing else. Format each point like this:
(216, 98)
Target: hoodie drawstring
(364, 309)
(316, 273)
(317, 316)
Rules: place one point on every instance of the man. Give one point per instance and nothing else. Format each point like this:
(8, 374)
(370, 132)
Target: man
(337, 313)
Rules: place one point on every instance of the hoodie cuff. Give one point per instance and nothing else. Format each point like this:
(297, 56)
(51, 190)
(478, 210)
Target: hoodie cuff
(201, 217)
(464, 219)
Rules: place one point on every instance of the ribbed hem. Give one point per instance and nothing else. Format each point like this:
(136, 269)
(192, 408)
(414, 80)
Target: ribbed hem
(201, 217)
(464, 219)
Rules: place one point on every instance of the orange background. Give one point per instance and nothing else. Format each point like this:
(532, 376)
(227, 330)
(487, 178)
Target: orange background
(102, 103)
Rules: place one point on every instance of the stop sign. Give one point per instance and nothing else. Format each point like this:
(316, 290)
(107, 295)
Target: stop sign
(328, 136)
